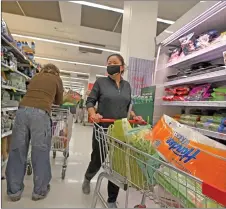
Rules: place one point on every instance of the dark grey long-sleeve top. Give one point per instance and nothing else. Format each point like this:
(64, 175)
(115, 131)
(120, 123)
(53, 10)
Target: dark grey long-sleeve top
(113, 102)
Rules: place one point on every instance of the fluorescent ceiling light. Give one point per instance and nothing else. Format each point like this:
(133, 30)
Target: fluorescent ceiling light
(167, 31)
(69, 62)
(100, 6)
(170, 22)
(90, 4)
(65, 43)
(69, 77)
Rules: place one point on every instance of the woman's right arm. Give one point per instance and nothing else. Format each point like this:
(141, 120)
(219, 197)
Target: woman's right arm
(91, 101)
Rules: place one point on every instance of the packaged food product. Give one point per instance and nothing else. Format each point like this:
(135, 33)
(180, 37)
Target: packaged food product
(188, 192)
(187, 122)
(187, 44)
(214, 119)
(167, 98)
(174, 54)
(190, 117)
(209, 126)
(179, 98)
(198, 93)
(189, 151)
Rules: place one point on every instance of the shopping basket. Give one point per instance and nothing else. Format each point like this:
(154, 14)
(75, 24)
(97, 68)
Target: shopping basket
(61, 134)
(158, 182)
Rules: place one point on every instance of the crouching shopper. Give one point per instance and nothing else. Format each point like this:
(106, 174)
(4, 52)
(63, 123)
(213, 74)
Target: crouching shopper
(33, 123)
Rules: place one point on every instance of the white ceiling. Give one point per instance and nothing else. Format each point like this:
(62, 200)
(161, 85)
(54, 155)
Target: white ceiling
(77, 24)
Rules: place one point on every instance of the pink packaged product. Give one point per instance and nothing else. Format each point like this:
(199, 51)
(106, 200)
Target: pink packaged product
(187, 44)
(199, 93)
(175, 54)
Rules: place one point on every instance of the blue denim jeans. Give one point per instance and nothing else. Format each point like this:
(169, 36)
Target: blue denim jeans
(31, 125)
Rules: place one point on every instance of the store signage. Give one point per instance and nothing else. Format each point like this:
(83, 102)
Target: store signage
(90, 86)
(140, 74)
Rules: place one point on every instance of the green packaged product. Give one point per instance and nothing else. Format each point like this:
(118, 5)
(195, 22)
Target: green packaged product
(190, 117)
(218, 96)
(221, 89)
(213, 119)
(188, 122)
(208, 126)
(132, 167)
(184, 188)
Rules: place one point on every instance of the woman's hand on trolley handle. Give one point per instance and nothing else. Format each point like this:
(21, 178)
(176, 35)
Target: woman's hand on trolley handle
(138, 118)
(96, 117)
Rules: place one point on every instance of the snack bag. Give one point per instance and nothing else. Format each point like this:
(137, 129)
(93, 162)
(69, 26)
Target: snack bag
(190, 151)
(187, 44)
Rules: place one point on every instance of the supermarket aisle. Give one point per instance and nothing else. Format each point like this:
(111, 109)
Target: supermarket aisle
(67, 193)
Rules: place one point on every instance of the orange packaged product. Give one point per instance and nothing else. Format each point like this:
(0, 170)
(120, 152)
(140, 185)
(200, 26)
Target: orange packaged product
(191, 152)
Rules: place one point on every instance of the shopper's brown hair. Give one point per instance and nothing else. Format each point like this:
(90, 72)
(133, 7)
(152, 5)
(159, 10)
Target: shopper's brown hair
(50, 68)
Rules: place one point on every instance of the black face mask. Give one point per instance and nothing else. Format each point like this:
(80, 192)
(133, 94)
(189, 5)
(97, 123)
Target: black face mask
(113, 69)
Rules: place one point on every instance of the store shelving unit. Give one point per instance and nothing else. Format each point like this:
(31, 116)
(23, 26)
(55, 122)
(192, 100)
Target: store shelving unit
(16, 71)
(218, 75)
(6, 109)
(13, 88)
(20, 56)
(196, 103)
(212, 134)
(214, 51)
(211, 19)
(22, 59)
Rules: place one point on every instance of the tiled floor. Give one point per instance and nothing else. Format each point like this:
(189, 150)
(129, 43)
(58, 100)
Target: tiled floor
(67, 193)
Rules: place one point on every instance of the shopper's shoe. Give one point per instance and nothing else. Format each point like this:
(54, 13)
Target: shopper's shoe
(86, 186)
(36, 197)
(112, 205)
(15, 199)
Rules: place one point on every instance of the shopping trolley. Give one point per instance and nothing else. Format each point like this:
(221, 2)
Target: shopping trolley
(61, 134)
(155, 181)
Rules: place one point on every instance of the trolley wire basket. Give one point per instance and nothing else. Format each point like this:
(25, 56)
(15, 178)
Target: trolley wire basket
(158, 182)
(61, 134)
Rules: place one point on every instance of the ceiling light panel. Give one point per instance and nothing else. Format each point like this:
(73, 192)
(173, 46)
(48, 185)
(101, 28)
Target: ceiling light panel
(90, 4)
(100, 6)
(64, 43)
(69, 62)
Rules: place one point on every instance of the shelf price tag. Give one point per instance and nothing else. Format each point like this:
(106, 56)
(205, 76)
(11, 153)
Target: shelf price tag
(14, 90)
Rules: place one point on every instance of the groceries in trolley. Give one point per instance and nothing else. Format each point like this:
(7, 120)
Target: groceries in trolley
(169, 160)
(60, 131)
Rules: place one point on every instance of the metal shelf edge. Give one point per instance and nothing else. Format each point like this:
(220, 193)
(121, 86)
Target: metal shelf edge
(12, 88)
(197, 77)
(198, 53)
(16, 71)
(197, 103)
(213, 134)
(9, 108)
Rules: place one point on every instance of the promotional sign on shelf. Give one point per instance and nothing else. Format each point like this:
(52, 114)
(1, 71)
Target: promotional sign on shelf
(143, 105)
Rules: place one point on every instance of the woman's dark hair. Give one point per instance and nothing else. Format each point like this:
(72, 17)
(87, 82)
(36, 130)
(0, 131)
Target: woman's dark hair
(119, 56)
